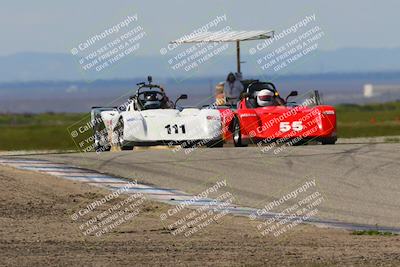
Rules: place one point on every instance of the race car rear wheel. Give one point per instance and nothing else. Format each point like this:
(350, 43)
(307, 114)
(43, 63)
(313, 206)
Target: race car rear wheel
(237, 134)
(119, 132)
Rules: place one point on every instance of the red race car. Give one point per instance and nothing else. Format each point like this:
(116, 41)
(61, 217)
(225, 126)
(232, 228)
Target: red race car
(262, 116)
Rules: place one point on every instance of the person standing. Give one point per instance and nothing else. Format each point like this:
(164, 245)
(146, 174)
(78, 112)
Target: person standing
(232, 89)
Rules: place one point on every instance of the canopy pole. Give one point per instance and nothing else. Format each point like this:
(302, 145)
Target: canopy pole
(238, 56)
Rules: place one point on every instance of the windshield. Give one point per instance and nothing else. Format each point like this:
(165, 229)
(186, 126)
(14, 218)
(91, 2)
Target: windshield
(152, 99)
(308, 99)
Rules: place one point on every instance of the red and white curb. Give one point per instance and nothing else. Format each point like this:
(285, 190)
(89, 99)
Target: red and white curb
(171, 196)
(166, 195)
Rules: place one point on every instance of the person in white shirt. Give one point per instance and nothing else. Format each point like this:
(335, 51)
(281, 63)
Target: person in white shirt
(232, 89)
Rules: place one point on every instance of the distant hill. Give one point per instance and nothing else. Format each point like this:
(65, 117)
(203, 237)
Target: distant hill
(80, 96)
(58, 66)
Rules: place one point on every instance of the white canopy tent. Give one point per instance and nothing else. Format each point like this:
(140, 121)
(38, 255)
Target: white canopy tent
(226, 36)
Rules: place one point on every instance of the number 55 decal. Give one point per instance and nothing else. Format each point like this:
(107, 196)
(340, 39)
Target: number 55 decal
(285, 126)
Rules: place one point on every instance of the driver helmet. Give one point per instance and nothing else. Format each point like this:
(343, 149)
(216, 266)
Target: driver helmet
(265, 98)
(151, 102)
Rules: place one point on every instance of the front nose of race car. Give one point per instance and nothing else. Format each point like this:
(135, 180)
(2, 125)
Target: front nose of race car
(282, 122)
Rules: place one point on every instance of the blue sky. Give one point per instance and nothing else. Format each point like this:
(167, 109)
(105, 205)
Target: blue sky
(56, 26)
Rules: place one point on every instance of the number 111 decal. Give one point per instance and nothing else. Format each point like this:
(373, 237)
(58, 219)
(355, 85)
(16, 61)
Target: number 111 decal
(176, 128)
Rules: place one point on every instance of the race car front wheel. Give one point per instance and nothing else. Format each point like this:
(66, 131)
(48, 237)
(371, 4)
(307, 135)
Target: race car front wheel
(101, 143)
(119, 132)
(329, 141)
(237, 134)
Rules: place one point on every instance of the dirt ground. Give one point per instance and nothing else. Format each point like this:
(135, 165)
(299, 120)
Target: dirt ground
(36, 229)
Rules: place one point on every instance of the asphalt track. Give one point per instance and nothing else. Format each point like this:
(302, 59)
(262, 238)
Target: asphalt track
(360, 183)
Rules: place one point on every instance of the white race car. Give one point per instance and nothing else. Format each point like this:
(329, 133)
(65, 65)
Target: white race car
(151, 119)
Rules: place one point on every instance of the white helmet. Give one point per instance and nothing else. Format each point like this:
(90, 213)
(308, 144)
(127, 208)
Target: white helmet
(265, 98)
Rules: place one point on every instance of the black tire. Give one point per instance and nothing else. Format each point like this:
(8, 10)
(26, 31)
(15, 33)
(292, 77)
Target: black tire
(99, 148)
(237, 134)
(120, 139)
(329, 141)
(100, 143)
(216, 143)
